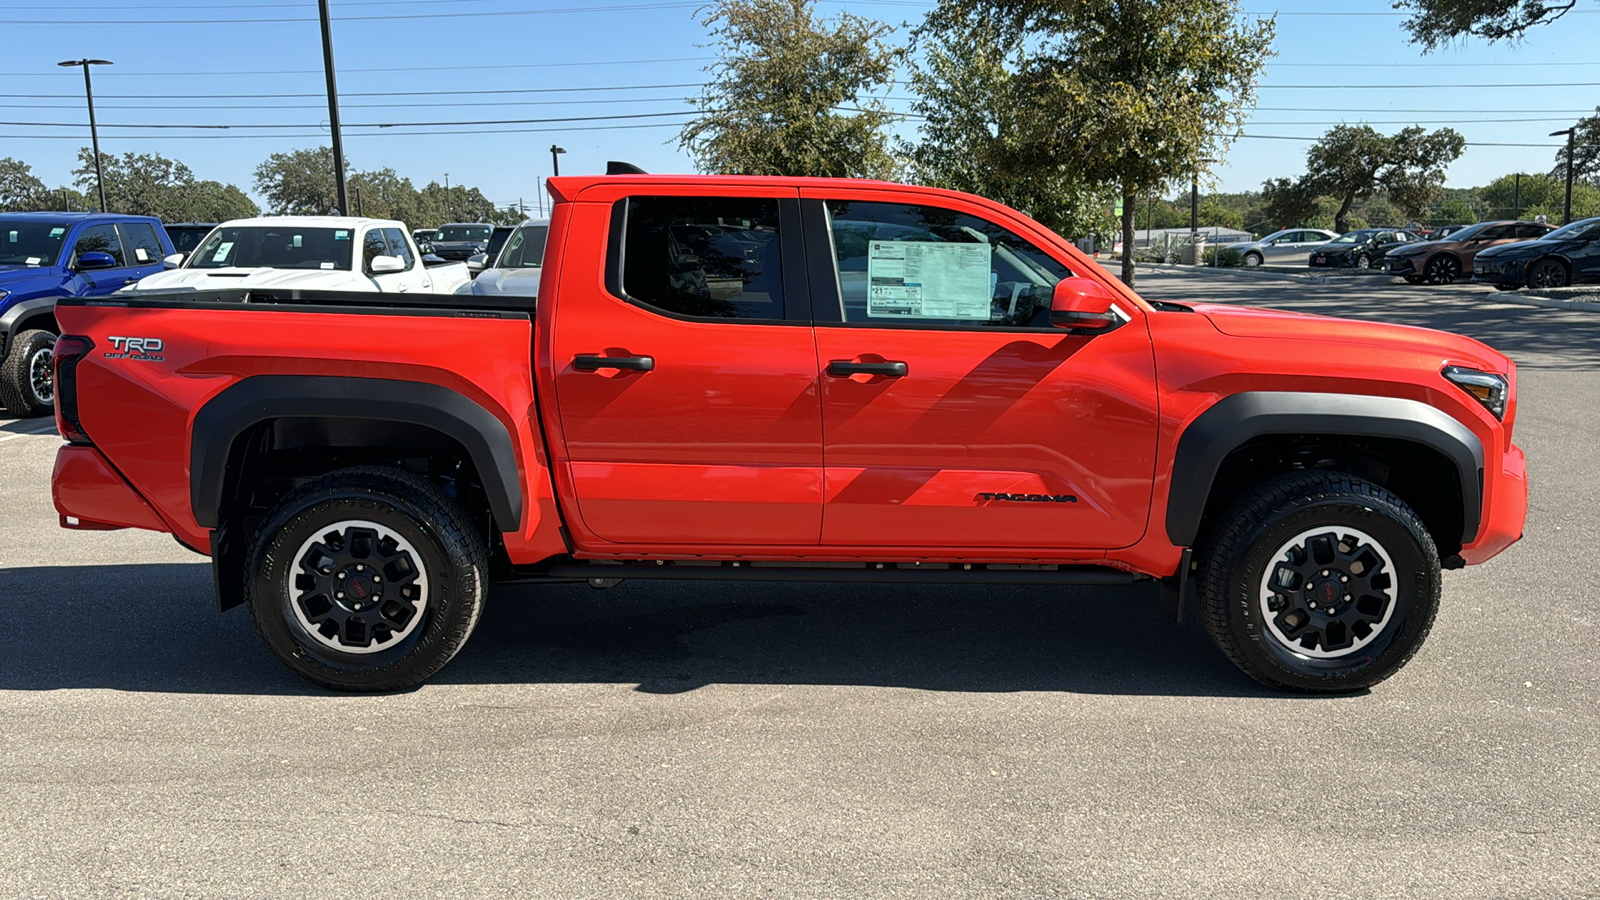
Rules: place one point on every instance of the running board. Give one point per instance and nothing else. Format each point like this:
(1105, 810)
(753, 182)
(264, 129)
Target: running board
(608, 574)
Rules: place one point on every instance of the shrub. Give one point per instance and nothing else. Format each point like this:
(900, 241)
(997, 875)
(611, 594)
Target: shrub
(1229, 257)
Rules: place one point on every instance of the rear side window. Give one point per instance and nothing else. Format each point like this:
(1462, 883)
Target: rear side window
(398, 246)
(142, 243)
(525, 250)
(102, 239)
(1530, 230)
(704, 257)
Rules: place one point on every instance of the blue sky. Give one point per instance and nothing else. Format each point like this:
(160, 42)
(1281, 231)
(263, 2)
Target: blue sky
(399, 59)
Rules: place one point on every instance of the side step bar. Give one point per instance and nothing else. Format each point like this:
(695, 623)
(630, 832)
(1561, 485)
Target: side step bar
(607, 574)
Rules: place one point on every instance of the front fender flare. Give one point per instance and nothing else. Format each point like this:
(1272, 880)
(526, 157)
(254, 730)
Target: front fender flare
(260, 398)
(1232, 421)
(20, 311)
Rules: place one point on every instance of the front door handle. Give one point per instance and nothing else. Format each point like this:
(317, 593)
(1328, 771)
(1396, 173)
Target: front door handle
(844, 368)
(589, 362)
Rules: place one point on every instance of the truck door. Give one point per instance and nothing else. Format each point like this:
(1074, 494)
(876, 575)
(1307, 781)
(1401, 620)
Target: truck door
(144, 249)
(104, 239)
(415, 277)
(954, 414)
(685, 371)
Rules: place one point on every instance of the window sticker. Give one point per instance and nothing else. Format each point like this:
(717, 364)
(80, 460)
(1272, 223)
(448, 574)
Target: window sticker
(920, 280)
(327, 265)
(54, 232)
(340, 236)
(297, 240)
(35, 260)
(11, 237)
(140, 254)
(222, 251)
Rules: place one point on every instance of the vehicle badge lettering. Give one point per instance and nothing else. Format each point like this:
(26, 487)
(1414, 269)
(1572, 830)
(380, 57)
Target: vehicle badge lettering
(1028, 498)
(142, 349)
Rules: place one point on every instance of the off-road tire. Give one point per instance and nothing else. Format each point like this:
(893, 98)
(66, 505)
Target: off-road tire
(1242, 549)
(449, 554)
(20, 392)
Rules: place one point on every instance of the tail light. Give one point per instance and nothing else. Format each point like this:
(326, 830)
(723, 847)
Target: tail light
(69, 350)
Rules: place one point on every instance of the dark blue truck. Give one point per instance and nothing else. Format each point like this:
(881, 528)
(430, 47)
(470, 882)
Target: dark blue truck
(47, 256)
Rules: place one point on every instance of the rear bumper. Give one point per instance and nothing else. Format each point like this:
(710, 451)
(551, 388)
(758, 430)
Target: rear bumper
(1505, 509)
(91, 496)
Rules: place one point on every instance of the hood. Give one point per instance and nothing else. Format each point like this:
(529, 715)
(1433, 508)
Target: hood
(1251, 322)
(513, 282)
(1526, 247)
(230, 278)
(1419, 247)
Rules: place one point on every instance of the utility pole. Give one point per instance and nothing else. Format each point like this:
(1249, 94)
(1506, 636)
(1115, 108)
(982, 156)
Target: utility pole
(94, 134)
(555, 159)
(1194, 208)
(333, 111)
(358, 201)
(1516, 204)
(1566, 217)
(448, 211)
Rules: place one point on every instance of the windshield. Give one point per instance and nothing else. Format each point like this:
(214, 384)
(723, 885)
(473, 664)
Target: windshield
(525, 250)
(186, 237)
(24, 243)
(275, 247)
(1352, 237)
(464, 233)
(1576, 229)
(1461, 234)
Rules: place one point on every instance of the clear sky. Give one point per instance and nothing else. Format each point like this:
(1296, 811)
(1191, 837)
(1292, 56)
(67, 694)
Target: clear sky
(619, 72)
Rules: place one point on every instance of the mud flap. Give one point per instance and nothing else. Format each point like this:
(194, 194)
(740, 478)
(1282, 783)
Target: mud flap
(1173, 588)
(227, 566)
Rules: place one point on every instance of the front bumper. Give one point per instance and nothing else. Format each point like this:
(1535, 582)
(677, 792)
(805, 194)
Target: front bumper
(1496, 271)
(1400, 265)
(1505, 508)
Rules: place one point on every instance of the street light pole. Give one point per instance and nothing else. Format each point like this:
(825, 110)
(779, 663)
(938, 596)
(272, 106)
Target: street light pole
(448, 211)
(94, 133)
(343, 194)
(1566, 217)
(555, 159)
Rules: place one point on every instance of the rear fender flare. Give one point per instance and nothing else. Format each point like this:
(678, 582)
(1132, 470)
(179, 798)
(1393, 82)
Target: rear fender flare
(228, 415)
(1232, 421)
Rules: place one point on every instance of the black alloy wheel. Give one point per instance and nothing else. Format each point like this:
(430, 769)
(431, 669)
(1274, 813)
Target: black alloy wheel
(1548, 273)
(27, 383)
(1442, 269)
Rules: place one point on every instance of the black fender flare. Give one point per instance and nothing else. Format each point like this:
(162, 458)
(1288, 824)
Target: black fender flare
(25, 309)
(1232, 421)
(256, 399)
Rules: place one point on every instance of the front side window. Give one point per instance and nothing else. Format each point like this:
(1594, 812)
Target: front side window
(905, 264)
(142, 243)
(706, 257)
(100, 239)
(398, 247)
(29, 243)
(275, 247)
(525, 250)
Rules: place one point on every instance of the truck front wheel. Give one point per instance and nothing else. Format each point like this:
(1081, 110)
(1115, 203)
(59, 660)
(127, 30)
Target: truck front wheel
(1319, 582)
(366, 579)
(27, 387)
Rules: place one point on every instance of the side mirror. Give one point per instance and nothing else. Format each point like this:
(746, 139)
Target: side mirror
(1083, 304)
(384, 264)
(477, 262)
(95, 259)
(173, 261)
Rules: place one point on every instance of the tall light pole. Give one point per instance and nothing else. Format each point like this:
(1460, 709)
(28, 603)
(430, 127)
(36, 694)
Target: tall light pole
(343, 193)
(1566, 218)
(94, 134)
(555, 159)
(449, 213)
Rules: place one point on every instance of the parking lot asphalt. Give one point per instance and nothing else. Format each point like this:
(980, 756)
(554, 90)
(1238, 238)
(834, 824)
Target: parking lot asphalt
(698, 740)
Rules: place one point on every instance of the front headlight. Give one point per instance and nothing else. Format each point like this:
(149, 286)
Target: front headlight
(4, 295)
(1489, 389)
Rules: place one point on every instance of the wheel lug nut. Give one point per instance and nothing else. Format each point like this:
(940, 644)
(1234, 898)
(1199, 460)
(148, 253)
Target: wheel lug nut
(376, 579)
(1346, 598)
(1343, 578)
(1313, 604)
(341, 575)
(339, 595)
(1324, 573)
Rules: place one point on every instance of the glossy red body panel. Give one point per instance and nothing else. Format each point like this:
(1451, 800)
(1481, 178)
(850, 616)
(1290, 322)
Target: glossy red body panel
(736, 446)
(85, 487)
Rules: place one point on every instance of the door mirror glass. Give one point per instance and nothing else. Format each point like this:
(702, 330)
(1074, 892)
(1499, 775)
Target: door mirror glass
(385, 264)
(1083, 304)
(477, 261)
(173, 261)
(95, 259)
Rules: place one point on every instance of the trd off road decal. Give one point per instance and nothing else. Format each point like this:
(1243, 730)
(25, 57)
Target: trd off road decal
(143, 349)
(1030, 498)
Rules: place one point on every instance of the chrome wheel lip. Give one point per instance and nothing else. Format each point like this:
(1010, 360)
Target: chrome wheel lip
(41, 381)
(312, 631)
(1266, 593)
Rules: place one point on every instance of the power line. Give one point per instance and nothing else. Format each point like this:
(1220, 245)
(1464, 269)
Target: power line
(1311, 140)
(450, 104)
(323, 135)
(573, 90)
(342, 71)
(654, 115)
(632, 7)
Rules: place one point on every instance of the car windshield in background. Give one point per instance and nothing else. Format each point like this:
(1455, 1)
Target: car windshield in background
(1352, 237)
(275, 247)
(463, 233)
(525, 250)
(1461, 234)
(186, 237)
(1580, 228)
(30, 243)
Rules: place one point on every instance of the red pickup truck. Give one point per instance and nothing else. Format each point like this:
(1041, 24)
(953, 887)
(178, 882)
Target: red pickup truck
(790, 379)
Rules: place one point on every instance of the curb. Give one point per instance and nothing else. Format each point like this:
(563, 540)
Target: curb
(1234, 272)
(1581, 302)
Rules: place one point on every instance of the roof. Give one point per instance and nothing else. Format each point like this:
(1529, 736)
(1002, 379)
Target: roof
(313, 222)
(566, 187)
(76, 216)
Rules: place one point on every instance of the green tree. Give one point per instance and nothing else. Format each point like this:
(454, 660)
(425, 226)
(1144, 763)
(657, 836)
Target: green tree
(20, 189)
(299, 182)
(1438, 23)
(1540, 195)
(1129, 93)
(790, 93)
(1285, 204)
(1455, 210)
(974, 122)
(1585, 149)
(149, 184)
(1353, 162)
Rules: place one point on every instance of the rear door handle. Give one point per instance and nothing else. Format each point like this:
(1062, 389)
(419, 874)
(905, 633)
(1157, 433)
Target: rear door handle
(844, 368)
(588, 362)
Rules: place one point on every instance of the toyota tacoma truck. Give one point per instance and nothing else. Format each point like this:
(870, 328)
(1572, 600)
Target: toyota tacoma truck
(45, 256)
(332, 253)
(756, 379)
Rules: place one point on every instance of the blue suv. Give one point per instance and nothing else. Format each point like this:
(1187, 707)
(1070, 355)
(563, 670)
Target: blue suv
(46, 256)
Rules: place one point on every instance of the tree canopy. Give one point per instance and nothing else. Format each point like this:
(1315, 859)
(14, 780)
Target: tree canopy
(300, 182)
(790, 94)
(149, 184)
(1438, 23)
(1352, 162)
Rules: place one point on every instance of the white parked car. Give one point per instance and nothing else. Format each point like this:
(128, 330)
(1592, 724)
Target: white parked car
(1289, 247)
(329, 253)
(516, 269)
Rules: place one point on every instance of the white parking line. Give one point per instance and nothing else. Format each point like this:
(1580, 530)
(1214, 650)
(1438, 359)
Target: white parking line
(49, 428)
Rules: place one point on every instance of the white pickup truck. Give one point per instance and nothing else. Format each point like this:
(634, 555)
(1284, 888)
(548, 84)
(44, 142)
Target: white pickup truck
(329, 253)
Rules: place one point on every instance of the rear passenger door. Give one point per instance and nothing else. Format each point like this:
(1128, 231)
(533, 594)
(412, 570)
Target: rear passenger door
(144, 249)
(685, 370)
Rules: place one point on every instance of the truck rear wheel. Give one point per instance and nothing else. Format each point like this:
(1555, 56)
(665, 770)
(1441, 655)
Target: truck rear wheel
(27, 385)
(366, 579)
(1319, 582)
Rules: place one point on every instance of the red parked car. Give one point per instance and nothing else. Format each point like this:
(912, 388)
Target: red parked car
(791, 379)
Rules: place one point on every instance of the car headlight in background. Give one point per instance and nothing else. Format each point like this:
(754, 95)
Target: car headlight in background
(4, 295)
(1488, 388)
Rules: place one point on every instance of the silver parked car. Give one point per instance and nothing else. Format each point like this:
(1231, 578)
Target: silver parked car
(516, 268)
(1289, 247)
